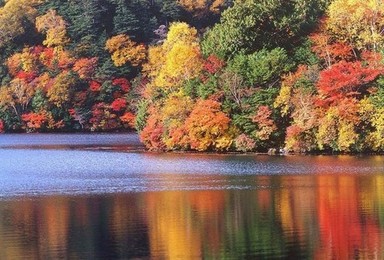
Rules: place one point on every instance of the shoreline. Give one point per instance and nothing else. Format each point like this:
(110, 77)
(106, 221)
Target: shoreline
(138, 146)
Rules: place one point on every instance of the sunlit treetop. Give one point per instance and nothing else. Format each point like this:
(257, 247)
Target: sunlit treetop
(55, 28)
(201, 7)
(178, 59)
(124, 50)
(359, 23)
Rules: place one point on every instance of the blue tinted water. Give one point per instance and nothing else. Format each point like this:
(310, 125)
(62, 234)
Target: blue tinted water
(102, 196)
(106, 163)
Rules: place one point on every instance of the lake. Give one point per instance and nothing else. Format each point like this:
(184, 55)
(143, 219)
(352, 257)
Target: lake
(102, 196)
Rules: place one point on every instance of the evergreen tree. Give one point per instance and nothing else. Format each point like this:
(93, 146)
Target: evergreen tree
(87, 29)
(147, 19)
(125, 20)
(171, 11)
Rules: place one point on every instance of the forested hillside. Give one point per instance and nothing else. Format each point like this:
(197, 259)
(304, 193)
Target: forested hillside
(206, 75)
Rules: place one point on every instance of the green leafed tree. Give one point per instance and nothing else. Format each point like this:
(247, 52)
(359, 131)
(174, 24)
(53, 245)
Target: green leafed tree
(251, 25)
(261, 68)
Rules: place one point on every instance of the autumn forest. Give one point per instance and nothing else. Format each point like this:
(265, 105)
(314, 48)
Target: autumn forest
(205, 75)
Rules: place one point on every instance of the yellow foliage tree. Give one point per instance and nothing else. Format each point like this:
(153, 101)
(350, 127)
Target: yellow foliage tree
(28, 60)
(297, 100)
(63, 58)
(177, 60)
(23, 60)
(59, 92)
(373, 115)
(156, 59)
(180, 32)
(17, 95)
(347, 135)
(359, 23)
(174, 112)
(327, 131)
(12, 16)
(124, 50)
(55, 28)
(337, 127)
(376, 137)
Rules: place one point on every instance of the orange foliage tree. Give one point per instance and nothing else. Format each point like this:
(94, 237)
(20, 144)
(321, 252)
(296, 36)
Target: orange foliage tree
(266, 125)
(176, 109)
(201, 126)
(208, 127)
(328, 50)
(201, 8)
(128, 119)
(153, 131)
(85, 67)
(36, 121)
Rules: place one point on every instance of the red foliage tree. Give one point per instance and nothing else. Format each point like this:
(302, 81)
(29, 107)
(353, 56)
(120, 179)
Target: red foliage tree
(26, 76)
(345, 79)
(213, 64)
(102, 118)
(94, 86)
(47, 57)
(37, 50)
(118, 104)
(2, 126)
(123, 83)
(80, 98)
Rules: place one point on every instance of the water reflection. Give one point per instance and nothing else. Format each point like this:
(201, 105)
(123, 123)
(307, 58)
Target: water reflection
(315, 217)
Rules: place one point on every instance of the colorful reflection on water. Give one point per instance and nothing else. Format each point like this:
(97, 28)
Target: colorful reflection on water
(291, 216)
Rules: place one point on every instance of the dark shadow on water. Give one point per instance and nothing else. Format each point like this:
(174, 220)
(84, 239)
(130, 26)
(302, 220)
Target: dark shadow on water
(73, 141)
(96, 147)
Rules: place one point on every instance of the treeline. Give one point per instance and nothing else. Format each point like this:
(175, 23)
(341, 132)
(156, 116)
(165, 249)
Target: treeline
(303, 75)
(71, 65)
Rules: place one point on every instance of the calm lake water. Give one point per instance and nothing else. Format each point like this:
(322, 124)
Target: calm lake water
(101, 196)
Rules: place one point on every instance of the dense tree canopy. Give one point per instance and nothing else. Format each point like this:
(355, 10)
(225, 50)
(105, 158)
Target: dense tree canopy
(358, 23)
(252, 25)
(306, 76)
(13, 16)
